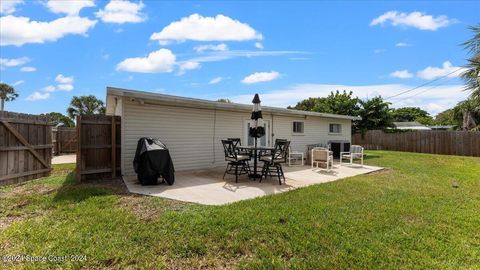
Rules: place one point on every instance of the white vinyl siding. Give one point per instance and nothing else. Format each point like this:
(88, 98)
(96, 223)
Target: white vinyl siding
(187, 132)
(316, 131)
(194, 135)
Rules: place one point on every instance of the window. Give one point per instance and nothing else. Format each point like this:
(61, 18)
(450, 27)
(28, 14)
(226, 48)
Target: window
(335, 128)
(298, 127)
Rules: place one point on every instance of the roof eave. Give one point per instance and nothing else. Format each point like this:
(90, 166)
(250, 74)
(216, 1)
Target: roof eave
(218, 105)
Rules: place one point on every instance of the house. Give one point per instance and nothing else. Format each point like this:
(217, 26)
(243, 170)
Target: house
(442, 127)
(192, 128)
(410, 125)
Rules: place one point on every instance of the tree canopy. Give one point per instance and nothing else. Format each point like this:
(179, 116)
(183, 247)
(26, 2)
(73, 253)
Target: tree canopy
(59, 118)
(375, 114)
(7, 93)
(85, 105)
(339, 103)
(472, 74)
(410, 114)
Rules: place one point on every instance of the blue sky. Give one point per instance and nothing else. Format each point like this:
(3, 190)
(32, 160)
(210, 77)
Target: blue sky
(286, 51)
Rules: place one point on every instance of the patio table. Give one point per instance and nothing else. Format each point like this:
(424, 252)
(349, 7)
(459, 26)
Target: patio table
(255, 150)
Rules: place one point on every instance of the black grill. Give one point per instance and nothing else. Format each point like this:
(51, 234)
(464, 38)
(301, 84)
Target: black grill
(152, 160)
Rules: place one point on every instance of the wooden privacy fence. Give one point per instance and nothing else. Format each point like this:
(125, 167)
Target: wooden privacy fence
(25, 147)
(462, 143)
(64, 140)
(98, 143)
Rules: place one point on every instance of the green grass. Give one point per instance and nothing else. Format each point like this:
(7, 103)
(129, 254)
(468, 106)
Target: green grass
(409, 216)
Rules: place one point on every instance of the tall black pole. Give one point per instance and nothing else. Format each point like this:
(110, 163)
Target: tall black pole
(255, 161)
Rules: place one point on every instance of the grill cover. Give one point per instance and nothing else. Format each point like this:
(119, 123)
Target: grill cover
(152, 159)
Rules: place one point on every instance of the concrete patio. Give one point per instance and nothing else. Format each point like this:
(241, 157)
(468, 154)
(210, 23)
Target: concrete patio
(208, 187)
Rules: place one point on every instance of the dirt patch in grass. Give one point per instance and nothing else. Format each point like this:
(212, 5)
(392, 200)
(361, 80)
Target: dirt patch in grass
(116, 185)
(149, 208)
(29, 190)
(206, 262)
(8, 220)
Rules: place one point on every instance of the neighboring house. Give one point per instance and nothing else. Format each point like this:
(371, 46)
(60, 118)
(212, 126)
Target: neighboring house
(410, 125)
(192, 128)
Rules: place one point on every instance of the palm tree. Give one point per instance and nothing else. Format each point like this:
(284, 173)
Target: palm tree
(85, 105)
(472, 74)
(7, 93)
(468, 113)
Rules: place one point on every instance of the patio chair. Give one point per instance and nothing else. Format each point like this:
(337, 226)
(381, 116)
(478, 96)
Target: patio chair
(295, 155)
(237, 142)
(356, 152)
(272, 163)
(237, 164)
(323, 156)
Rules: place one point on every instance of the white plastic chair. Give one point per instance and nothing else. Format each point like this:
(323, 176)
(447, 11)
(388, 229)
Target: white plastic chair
(322, 155)
(295, 155)
(356, 152)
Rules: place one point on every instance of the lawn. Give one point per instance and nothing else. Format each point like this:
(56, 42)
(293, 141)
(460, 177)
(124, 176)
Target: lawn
(422, 212)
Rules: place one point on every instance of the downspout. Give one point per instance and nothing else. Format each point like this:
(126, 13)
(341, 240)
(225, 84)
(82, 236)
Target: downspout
(214, 132)
(273, 134)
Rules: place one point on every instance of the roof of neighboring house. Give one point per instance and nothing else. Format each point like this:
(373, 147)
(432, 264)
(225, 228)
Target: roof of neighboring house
(442, 127)
(410, 125)
(202, 103)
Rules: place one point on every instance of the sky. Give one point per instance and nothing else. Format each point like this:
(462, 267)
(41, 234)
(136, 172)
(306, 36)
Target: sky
(286, 51)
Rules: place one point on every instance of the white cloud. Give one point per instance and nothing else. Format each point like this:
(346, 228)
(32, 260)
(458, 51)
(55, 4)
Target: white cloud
(401, 74)
(434, 100)
(49, 88)
(258, 45)
(17, 83)
(64, 79)
(4, 62)
(122, 11)
(225, 55)
(162, 60)
(447, 69)
(65, 87)
(415, 19)
(403, 44)
(211, 47)
(261, 77)
(9, 6)
(38, 96)
(20, 30)
(189, 65)
(377, 51)
(215, 80)
(199, 28)
(28, 69)
(68, 7)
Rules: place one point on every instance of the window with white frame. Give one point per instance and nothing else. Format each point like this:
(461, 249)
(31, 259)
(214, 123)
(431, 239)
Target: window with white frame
(335, 128)
(298, 127)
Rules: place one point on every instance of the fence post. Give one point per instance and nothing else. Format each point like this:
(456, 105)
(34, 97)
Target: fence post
(79, 147)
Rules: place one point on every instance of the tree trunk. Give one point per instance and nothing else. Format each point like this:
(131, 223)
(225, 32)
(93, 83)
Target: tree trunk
(468, 121)
(3, 103)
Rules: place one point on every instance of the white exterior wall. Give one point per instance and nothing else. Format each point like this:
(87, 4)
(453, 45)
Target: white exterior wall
(316, 130)
(193, 135)
(187, 132)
